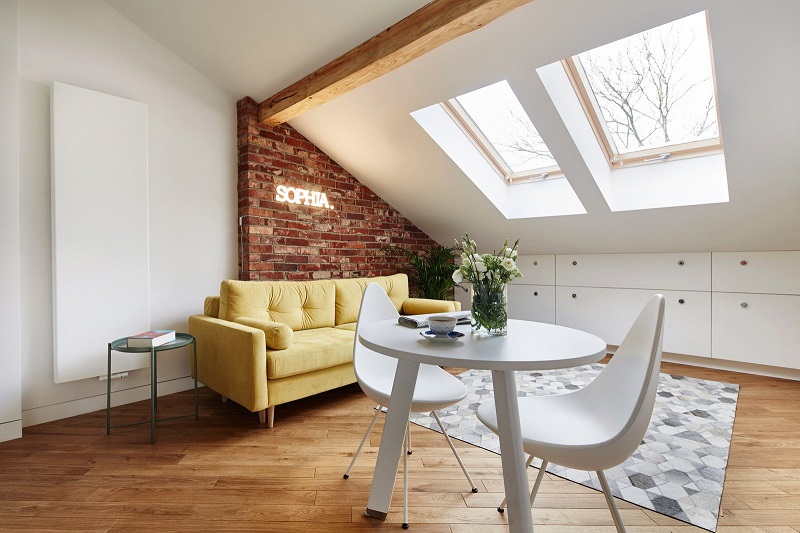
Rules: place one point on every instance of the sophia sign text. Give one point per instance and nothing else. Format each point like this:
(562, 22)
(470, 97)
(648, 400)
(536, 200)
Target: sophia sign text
(293, 195)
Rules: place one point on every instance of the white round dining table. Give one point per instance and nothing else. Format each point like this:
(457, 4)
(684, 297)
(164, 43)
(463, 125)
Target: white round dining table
(528, 346)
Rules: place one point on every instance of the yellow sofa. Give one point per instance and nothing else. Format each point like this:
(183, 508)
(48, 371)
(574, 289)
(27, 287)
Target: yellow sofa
(265, 343)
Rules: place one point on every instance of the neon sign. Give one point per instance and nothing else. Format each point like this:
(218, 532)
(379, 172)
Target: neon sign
(293, 195)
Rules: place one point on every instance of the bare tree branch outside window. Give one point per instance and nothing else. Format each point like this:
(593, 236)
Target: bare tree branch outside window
(655, 89)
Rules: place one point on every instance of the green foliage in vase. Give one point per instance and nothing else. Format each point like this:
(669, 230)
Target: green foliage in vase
(430, 270)
(488, 274)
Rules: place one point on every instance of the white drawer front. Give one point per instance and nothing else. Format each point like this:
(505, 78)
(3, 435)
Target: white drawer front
(532, 302)
(609, 314)
(463, 297)
(766, 331)
(536, 270)
(762, 272)
(667, 271)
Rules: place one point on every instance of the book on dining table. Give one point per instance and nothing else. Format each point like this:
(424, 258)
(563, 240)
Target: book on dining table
(421, 321)
(149, 339)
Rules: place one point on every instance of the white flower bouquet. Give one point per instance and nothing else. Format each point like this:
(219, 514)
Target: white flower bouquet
(488, 274)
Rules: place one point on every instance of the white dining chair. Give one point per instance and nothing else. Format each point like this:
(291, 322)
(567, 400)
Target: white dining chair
(435, 388)
(599, 426)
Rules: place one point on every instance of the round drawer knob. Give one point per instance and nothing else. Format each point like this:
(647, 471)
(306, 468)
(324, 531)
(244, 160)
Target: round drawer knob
(536, 263)
(743, 304)
(536, 293)
(574, 295)
(680, 262)
(743, 263)
(681, 301)
(574, 263)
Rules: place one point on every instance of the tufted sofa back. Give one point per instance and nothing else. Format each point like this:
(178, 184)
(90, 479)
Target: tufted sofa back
(301, 304)
(298, 304)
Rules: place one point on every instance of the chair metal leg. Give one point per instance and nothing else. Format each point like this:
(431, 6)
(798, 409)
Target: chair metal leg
(538, 481)
(358, 451)
(610, 501)
(405, 480)
(408, 436)
(458, 457)
(502, 507)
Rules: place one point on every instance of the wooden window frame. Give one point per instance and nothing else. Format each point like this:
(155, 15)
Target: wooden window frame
(577, 77)
(460, 116)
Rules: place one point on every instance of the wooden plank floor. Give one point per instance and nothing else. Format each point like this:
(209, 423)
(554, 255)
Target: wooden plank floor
(225, 473)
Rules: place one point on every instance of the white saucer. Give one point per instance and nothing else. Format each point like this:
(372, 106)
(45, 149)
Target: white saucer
(452, 336)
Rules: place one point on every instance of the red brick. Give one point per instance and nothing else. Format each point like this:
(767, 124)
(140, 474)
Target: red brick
(290, 241)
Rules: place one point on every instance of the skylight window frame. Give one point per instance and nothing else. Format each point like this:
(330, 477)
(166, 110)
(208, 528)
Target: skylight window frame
(577, 76)
(473, 132)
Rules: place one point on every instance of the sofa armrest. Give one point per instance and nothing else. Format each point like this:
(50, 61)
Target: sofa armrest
(424, 306)
(232, 360)
(278, 336)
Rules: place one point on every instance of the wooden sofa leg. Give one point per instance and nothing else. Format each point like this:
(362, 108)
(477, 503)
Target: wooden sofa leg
(267, 416)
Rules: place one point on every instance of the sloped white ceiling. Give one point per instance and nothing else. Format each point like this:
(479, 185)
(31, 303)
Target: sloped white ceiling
(756, 48)
(256, 48)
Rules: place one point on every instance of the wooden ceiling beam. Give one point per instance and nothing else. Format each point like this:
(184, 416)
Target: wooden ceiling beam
(431, 26)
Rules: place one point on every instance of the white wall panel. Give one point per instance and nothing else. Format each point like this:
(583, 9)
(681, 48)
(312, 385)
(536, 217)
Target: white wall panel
(10, 317)
(532, 302)
(609, 314)
(757, 328)
(536, 270)
(100, 220)
(667, 271)
(761, 272)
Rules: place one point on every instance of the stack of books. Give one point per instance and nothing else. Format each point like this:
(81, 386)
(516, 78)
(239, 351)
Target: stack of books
(149, 339)
(421, 321)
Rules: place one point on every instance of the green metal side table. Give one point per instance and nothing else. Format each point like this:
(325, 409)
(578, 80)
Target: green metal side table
(121, 345)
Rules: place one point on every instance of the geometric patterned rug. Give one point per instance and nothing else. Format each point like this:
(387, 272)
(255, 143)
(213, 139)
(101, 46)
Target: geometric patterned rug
(678, 470)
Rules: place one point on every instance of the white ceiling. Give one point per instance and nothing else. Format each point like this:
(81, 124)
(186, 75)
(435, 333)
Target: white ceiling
(256, 48)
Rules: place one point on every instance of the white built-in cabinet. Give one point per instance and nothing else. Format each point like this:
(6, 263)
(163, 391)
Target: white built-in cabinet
(756, 307)
(603, 294)
(732, 306)
(533, 296)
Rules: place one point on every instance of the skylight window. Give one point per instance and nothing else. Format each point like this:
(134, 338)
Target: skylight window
(651, 96)
(499, 127)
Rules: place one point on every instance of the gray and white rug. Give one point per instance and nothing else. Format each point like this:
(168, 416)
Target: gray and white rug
(679, 468)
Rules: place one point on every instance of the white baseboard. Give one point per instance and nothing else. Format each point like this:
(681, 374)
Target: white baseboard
(10, 430)
(731, 366)
(49, 413)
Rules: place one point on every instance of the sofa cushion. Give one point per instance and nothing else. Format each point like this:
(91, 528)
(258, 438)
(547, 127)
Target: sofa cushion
(350, 291)
(300, 305)
(424, 306)
(277, 336)
(350, 326)
(211, 306)
(311, 350)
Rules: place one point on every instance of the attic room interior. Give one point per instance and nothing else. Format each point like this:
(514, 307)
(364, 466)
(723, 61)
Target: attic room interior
(611, 191)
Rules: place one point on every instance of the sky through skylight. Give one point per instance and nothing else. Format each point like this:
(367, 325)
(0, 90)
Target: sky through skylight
(499, 115)
(655, 89)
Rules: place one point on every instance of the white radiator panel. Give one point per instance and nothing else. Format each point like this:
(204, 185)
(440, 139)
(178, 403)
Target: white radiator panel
(100, 229)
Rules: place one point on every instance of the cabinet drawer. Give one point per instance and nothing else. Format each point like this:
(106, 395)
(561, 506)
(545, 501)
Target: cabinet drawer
(609, 314)
(762, 272)
(532, 302)
(766, 331)
(685, 272)
(463, 297)
(536, 270)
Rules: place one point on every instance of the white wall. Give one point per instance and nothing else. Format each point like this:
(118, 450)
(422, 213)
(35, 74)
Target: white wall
(10, 359)
(192, 187)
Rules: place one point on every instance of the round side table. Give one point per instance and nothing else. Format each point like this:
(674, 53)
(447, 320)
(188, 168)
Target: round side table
(121, 345)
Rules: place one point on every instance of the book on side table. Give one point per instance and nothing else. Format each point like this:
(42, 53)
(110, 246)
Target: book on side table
(421, 321)
(149, 339)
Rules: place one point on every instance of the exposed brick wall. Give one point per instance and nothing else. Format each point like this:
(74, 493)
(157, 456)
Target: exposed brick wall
(280, 240)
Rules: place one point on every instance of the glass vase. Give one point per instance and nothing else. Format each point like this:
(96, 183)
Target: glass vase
(489, 309)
